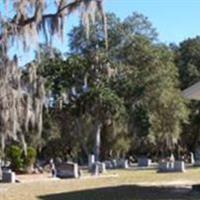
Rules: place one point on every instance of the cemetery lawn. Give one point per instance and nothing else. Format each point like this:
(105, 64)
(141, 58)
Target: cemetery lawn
(127, 185)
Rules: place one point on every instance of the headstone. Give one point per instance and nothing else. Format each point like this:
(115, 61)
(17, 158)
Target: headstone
(8, 176)
(108, 164)
(98, 167)
(197, 156)
(179, 166)
(144, 162)
(67, 170)
(166, 166)
(91, 161)
(96, 170)
(171, 165)
(172, 158)
(126, 165)
(122, 163)
(197, 163)
(163, 166)
(114, 163)
(102, 168)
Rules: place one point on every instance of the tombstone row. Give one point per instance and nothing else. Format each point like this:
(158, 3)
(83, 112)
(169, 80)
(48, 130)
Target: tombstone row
(167, 166)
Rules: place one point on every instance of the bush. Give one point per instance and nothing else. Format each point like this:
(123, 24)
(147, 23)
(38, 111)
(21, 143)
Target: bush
(14, 155)
(30, 158)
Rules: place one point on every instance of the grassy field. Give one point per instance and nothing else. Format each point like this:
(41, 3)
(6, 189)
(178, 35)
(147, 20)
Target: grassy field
(127, 185)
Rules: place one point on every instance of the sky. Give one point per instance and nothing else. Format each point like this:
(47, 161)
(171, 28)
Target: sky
(175, 20)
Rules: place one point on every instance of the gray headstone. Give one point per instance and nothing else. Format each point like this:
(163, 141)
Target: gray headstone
(197, 153)
(163, 167)
(179, 166)
(122, 163)
(197, 157)
(98, 167)
(108, 164)
(67, 170)
(114, 163)
(8, 177)
(144, 162)
(197, 163)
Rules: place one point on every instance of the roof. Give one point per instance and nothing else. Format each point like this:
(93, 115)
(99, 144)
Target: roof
(192, 92)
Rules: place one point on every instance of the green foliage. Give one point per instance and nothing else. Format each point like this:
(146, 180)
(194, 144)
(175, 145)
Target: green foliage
(132, 91)
(14, 154)
(150, 89)
(30, 158)
(187, 58)
(121, 146)
(20, 161)
(55, 148)
(118, 31)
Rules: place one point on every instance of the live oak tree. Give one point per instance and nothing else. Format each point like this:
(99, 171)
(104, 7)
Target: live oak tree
(22, 100)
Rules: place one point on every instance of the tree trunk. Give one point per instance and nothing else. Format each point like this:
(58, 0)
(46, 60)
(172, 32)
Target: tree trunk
(97, 147)
(98, 141)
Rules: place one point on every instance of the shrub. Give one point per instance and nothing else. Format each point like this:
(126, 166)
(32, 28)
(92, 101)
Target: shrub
(14, 155)
(30, 158)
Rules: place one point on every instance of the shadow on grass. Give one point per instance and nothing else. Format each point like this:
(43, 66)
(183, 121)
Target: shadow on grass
(127, 193)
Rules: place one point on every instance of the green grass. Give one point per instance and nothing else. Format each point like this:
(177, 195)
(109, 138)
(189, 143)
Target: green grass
(128, 185)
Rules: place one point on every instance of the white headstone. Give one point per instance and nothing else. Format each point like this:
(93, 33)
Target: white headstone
(102, 167)
(126, 165)
(91, 161)
(96, 169)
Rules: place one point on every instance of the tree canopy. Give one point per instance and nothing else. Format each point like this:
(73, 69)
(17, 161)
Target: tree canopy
(130, 95)
(112, 100)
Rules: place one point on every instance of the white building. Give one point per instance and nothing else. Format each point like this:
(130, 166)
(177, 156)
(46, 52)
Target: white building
(192, 92)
